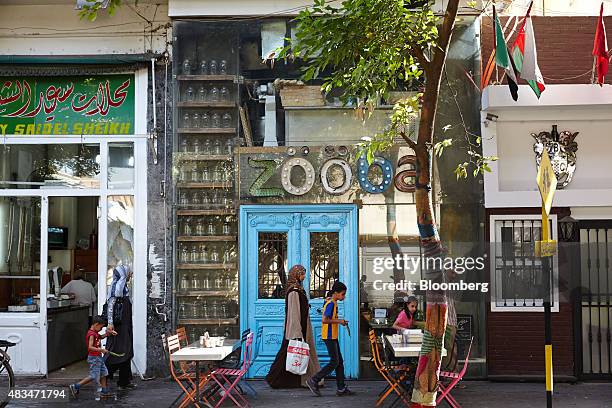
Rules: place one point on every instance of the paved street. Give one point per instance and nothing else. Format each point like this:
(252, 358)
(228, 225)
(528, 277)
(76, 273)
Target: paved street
(160, 393)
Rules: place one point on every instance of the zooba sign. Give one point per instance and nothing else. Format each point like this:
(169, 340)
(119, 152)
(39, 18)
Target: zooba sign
(268, 173)
(67, 105)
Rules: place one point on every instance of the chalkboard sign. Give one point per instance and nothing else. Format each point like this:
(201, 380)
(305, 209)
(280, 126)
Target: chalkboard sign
(465, 329)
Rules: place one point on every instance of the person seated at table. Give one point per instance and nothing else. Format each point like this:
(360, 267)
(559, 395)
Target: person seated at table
(407, 319)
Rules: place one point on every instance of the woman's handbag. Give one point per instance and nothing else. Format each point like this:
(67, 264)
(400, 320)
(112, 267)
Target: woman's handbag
(117, 311)
(298, 356)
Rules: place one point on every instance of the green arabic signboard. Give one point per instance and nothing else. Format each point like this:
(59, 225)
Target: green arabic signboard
(67, 105)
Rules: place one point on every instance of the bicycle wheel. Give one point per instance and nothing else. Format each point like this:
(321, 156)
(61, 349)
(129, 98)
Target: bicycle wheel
(7, 383)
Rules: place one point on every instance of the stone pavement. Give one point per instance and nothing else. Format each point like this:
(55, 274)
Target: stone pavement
(160, 393)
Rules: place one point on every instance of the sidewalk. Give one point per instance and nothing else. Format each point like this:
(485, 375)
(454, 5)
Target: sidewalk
(160, 393)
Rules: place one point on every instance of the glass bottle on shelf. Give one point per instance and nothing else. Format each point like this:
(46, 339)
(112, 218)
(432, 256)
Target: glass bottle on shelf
(199, 227)
(203, 67)
(184, 145)
(196, 120)
(183, 198)
(226, 228)
(228, 281)
(202, 93)
(216, 120)
(196, 146)
(217, 174)
(186, 66)
(215, 199)
(186, 120)
(185, 283)
(189, 94)
(227, 333)
(207, 146)
(224, 94)
(205, 175)
(205, 120)
(187, 229)
(195, 282)
(227, 120)
(227, 200)
(182, 311)
(214, 258)
(217, 150)
(196, 198)
(193, 255)
(214, 308)
(213, 67)
(205, 313)
(229, 146)
(210, 228)
(184, 254)
(205, 198)
(223, 67)
(204, 256)
(223, 310)
(195, 175)
(214, 94)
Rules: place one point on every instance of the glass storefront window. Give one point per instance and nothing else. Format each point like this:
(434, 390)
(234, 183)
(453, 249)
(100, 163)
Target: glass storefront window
(120, 234)
(19, 253)
(47, 166)
(272, 266)
(120, 165)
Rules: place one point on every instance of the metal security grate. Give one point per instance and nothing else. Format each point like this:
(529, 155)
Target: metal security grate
(272, 264)
(518, 278)
(596, 299)
(324, 262)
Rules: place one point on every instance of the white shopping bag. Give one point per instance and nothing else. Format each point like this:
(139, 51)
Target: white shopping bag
(298, 356)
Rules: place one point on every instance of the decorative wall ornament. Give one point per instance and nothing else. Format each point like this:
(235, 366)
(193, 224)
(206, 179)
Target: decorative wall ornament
(257, 189)
(348, 176)
(400, 179)
(270, 310)
(324, 220)
(270, 220)
(286, 176)
(363, 168)
(561, 149)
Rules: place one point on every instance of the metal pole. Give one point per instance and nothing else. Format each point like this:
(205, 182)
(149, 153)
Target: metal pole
(547, 272)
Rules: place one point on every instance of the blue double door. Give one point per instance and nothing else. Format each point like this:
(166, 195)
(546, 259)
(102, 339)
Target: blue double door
(322, 238)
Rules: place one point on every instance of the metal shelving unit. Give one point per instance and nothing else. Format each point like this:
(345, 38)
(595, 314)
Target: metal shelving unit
(207, 117)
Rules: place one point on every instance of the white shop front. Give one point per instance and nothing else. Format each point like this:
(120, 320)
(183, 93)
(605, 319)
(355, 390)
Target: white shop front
(73, 183)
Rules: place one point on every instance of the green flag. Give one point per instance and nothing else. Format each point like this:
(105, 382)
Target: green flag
(502, 57)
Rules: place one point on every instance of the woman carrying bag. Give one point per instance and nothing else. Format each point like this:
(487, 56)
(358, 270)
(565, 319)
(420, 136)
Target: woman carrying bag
(297, 326)
(119, 316)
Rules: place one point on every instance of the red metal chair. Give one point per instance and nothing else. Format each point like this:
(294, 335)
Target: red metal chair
(454, 380)
(228, 378)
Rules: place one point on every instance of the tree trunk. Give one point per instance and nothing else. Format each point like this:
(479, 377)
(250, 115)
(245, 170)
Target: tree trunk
(428, 370)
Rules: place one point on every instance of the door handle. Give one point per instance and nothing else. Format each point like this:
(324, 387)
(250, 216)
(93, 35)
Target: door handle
(35, 323)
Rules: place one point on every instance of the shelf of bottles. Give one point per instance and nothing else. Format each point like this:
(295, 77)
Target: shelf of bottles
(207, 95)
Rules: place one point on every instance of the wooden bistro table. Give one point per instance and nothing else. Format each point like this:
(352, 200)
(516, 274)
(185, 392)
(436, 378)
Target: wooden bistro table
(196, 353)
(411, 349)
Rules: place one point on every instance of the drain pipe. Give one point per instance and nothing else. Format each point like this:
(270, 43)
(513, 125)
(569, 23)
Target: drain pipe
(163, 182)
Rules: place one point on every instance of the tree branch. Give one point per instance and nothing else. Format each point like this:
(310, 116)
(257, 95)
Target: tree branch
(409, 141)
(445, 34)
(420, 56)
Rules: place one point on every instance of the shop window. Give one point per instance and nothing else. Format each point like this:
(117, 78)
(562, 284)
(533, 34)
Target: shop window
(120, 234)
(19, 253)
(324, 262)
(120, 165)
(36, 166)
(272, 265)
(517, 275)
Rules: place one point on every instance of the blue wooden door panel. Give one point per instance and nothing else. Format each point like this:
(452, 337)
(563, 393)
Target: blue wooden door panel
(266, 316)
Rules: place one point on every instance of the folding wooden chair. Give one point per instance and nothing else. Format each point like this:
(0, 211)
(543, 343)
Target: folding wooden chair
(184, 378)
(234, 360)
(228, 379)
(454, 380)
(392, 376)
(182, 334)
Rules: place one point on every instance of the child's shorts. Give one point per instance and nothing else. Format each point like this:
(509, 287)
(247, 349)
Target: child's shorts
(97, 368)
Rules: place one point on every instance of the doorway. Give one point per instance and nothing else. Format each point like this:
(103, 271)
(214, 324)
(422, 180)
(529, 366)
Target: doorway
(72, 278)
(322, 238)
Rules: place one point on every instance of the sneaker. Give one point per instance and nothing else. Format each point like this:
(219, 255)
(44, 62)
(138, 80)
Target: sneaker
(344, 391)
(314, 387)
(98, 396)
(129, 386)
(74, 390)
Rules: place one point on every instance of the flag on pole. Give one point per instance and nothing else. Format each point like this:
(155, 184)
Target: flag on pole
(525, 56)
(502, 56)
(600, 49)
